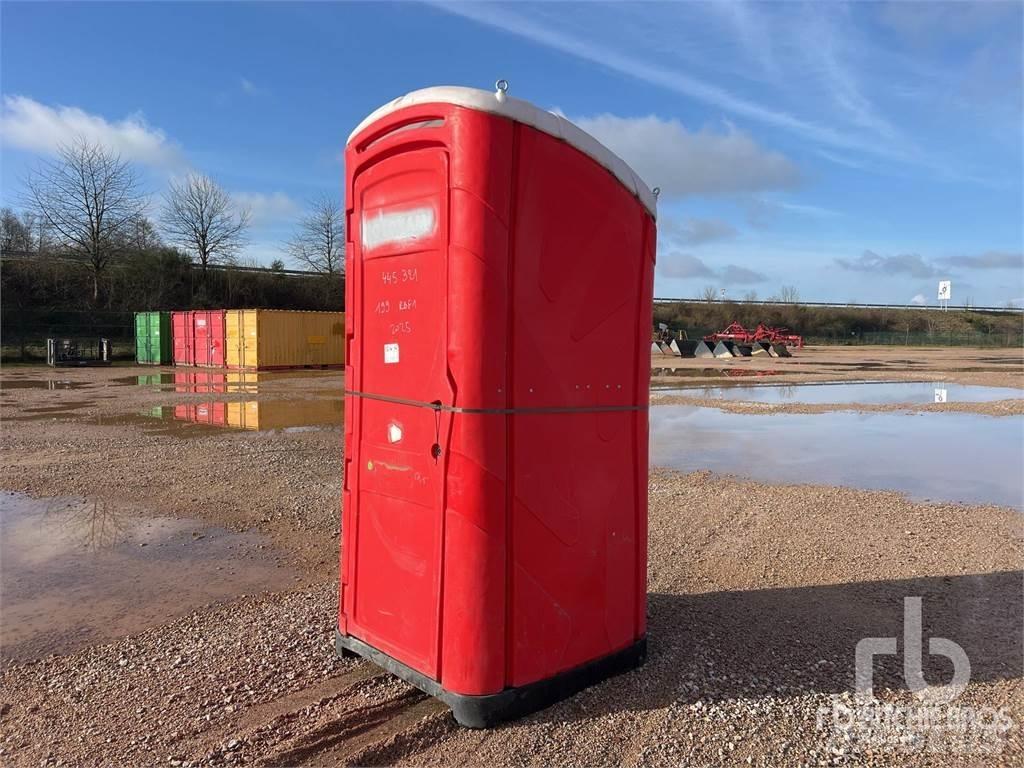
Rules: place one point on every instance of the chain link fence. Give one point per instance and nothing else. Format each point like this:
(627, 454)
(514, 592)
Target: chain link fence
(993, 338)
(23, 333)
(923, 339)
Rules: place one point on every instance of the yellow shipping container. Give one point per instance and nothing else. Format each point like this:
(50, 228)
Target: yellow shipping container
(283, 338)
(282, 414)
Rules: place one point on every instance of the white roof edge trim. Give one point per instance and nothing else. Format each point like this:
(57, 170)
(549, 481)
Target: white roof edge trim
(528, 114)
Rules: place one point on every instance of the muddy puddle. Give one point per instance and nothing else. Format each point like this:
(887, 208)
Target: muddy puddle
(54, 384)
(709, 373)
(190, 419)
(867, 392)
(919, 454)
(79, 572)
(257, 415)
(60, 408)
(224, 382)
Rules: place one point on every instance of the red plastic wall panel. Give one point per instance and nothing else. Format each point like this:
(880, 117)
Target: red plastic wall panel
(208, 334)
(487, 547)
(183, 336)
(581, 314)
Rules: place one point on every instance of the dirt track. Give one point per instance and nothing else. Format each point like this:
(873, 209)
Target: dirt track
(758, 595)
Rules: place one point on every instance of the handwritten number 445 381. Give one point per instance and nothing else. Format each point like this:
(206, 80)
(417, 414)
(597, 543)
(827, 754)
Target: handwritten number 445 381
(397, 276)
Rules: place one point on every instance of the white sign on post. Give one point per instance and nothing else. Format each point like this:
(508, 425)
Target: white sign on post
(944, 289)
(940, 395)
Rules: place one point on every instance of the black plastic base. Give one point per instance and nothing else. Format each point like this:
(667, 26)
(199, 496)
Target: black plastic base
(489, 710)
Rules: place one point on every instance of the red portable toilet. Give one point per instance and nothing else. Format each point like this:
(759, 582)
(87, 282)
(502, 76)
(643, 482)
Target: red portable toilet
(208, 337)
(500, 270)
(183, 338)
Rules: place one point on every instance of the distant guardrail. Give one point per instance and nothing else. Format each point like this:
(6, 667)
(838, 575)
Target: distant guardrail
(838, 305)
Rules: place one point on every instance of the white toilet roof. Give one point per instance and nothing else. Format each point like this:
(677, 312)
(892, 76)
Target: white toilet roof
(528, 114)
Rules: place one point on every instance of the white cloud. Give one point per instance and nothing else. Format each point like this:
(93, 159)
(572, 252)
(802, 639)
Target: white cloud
(682, 266)
(987, 260)
(676, 79)
(939, 22)
(249, 87)
(903, 263)
(28, 124)
(919, 300)
(825, 37)
(839, 159)
(267, 209)
(685, 266)
(807, 210)
(693, 231)
(733, 274)
(684, 163)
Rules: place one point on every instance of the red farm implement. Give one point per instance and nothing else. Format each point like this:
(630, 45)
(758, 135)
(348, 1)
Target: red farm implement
(738, 334)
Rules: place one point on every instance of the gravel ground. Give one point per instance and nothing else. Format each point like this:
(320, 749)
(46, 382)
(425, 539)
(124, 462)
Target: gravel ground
(758, 595)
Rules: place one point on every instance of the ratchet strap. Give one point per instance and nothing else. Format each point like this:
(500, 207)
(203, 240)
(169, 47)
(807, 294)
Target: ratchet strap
(437, 405)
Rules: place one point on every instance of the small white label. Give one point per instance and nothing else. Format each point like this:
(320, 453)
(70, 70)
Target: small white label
(397, 227)
(394, 433)
(200, 322)
(940, 395)
(390, 353)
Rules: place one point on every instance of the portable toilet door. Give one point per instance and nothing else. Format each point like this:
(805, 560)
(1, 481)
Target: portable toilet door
(497, 385)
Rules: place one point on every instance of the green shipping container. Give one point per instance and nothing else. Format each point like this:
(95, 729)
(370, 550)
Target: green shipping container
(153, 338)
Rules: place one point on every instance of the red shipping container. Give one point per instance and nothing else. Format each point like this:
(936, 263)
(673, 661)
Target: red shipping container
(499, 284)
(200, 382)
(208, 335)
(183, 338)
(214, 414)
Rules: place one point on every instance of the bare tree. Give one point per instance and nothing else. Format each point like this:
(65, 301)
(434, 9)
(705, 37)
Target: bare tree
(144, 236)
(750, 296)
(789, 294)
(89, 198)
(15, 233)
(319, 241)
(201, 217)
(710, 293)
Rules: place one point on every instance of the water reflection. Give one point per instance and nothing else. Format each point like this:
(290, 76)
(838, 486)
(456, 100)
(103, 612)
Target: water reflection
(93, 524)
(260, 415)
(218, 382)
(77, 572)
(715, 373)
(873, 392)
(920, 454)
(52, 384)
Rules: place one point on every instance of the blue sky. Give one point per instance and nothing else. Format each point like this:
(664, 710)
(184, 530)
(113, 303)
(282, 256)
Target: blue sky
(856, 151)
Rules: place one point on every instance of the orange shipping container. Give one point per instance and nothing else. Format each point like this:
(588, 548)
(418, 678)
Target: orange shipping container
(276, 338)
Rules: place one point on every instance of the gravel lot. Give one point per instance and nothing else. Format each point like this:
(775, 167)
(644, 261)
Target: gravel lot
(758, 595)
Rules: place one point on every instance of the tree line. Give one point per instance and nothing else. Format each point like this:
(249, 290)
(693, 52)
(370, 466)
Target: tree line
(841, 324)
(88, 236)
